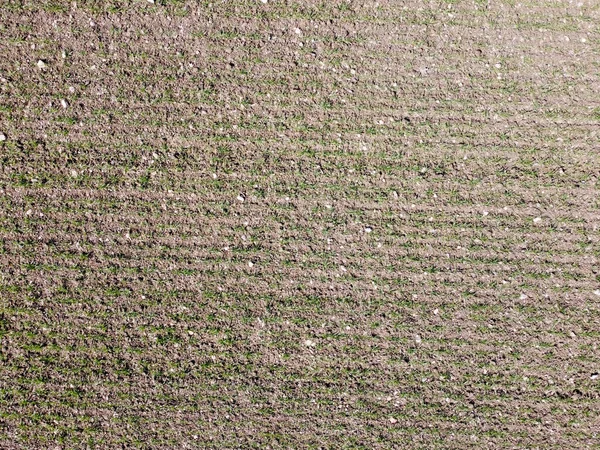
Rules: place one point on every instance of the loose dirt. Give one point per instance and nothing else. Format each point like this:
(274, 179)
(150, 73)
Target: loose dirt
(299, 224)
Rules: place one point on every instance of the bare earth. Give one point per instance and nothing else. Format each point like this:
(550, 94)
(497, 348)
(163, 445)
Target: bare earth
(299, 224)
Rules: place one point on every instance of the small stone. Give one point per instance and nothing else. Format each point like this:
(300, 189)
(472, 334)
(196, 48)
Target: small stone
(368, 229)
(2, 137)
(241, 198)
(522, 297)
(298, 31)
(73, 173)
(343, 269)
(537, 220)
(71, 89)
(594, 376)
(393, 420)
(485, 213)
(418, 339)
(41, 64)
(63, 103)
(264, 1)
(309, 343)
(250, 264)
(597, 292)
(150, 1)
(436, 311)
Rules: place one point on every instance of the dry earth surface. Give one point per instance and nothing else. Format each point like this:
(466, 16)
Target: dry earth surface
(299, 224)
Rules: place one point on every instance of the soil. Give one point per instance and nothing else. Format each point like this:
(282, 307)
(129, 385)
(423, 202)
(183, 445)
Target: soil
(299, 224)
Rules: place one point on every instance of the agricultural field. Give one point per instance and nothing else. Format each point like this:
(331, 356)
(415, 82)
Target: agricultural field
(299, 224)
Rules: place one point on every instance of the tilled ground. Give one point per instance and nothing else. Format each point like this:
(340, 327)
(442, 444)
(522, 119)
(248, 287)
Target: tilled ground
(299, 224)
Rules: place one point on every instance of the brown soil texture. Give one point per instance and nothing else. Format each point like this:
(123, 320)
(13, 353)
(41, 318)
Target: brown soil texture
(299, 224)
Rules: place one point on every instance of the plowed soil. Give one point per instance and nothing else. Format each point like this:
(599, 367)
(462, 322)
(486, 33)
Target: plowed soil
(299, 224)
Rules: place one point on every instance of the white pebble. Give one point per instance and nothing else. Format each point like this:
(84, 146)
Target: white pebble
(41, 64)
(368, 229)
(64, 103)
(522, 297)
(309, 343)
(485, 213)
(418, 339)
(436, 311)
(241, 198)
(250, 264)
(537, 220)
(343, 269)
(2, 137)
(393, 420)
(595, 376)
(73, 173)
(264, 1)
(597, 292)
